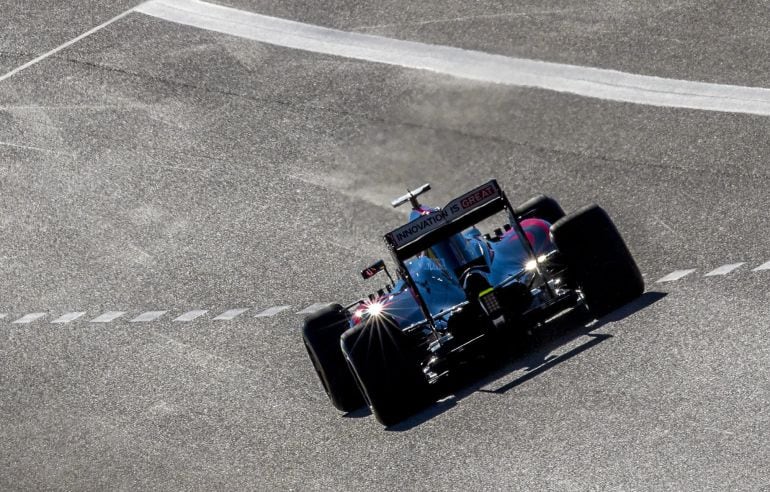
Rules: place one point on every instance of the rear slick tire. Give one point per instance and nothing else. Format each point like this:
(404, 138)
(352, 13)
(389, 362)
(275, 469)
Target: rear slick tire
(386, 368)
(598, 259)
(321, 333)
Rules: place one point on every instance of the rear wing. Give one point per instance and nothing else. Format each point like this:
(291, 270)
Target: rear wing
(459, 214)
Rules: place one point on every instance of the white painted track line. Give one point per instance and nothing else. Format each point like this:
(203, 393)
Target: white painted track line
(676, 275)
(230, 314)
(108, 316)
(63, 46)
(191, 315)
(313, 308)
(473, 65)
(763, 266)
(148, 316)
(66, 318)
(724, 269)
(272, 311)
(29, 318)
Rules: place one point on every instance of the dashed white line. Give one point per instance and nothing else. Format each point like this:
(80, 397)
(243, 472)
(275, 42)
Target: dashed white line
(272, 311)
(312, 308)
(29, 318)
(724, 269)
(676, 275)
(473, 65)
(191, 315)
(230, 314)
(148, 316)
(66, 318)
(108, 316)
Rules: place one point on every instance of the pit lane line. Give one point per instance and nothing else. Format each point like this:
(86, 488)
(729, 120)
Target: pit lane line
(29, 318)
(717, 272)
(231, 314)
(724, 269)
(150, 316)
(66, 318)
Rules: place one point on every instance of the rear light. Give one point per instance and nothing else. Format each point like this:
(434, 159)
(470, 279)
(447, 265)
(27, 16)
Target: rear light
(490, 303)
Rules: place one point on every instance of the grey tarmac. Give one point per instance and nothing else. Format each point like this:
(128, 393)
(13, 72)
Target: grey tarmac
(152, 166)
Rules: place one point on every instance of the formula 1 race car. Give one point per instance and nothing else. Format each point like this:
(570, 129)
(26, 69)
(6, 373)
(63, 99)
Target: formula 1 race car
(461, 290)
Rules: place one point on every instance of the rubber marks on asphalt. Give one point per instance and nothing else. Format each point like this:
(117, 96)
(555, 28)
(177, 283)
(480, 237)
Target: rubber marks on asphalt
(150, 316)
(717, 272)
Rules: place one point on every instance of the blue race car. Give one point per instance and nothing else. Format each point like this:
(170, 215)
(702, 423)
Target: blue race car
(460, 290)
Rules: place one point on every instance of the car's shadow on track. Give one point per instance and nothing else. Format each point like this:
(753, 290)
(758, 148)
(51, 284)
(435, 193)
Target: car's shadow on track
(534, 356)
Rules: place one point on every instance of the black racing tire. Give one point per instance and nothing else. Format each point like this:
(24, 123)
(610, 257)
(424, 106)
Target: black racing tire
(386, 368)
(598, 259)
(321, 334)
(540, 207)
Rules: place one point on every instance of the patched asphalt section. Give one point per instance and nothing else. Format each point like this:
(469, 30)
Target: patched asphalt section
(184, 168)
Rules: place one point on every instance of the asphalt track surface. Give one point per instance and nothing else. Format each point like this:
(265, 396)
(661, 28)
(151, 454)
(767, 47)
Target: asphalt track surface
(153, 166)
